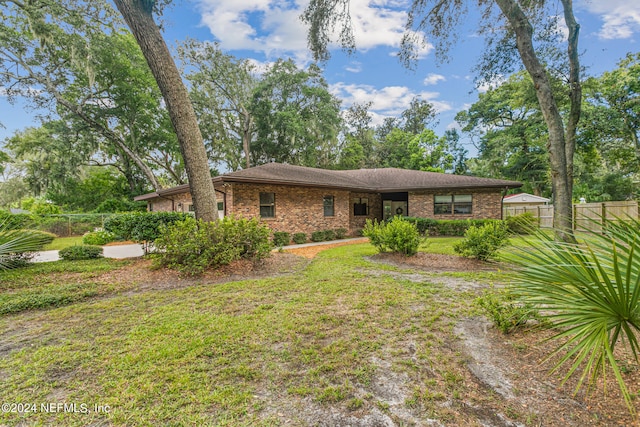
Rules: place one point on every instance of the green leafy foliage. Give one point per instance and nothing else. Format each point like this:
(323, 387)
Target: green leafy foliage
(329, 235)
(591, 293)
(191, 246)
(141, 226)
(281, 238)
(318, 236)
(397, 236)
(506, 311)
(99, 238)
(80, 252)
(299, 238)
(446, 227)
(483, 242)
(341, 233)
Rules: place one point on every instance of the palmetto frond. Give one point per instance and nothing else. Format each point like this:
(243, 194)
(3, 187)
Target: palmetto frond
(591, 293)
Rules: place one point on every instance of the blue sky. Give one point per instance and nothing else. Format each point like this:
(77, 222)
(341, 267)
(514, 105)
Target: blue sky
(265, 30)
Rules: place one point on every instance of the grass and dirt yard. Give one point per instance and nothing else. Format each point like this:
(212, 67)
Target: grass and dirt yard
(320, 336)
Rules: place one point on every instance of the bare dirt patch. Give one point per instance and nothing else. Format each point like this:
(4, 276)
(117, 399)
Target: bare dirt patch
(511, 371)
(312, 251)
(434, 262)
(146, 277)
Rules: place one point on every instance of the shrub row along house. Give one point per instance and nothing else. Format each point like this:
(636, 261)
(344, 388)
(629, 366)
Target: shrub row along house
(302, 199)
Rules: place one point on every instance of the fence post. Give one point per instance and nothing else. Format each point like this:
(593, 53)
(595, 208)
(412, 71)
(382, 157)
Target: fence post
(575, 217)
(539, 216)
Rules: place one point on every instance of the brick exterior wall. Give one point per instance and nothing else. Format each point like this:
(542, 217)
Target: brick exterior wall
(485, 204)
(297, 209)
(301, 210)
(375, 210)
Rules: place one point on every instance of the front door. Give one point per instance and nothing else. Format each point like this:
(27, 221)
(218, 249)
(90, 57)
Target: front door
(392, 208)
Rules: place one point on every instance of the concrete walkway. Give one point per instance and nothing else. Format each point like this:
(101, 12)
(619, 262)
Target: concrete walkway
(135, 250)
(116, 251)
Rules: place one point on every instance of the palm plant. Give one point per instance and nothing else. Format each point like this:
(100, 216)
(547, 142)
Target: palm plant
(16, 242)
(590, 292)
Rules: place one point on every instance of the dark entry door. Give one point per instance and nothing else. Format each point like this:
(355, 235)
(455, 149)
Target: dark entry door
(395, 204)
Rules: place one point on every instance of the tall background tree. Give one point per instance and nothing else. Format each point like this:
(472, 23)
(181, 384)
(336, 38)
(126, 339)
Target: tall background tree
(440, 18)
(221, 90)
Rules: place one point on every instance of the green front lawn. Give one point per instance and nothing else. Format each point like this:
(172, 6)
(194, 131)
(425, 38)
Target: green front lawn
(230, 354)
(48, 284)
(63, 242)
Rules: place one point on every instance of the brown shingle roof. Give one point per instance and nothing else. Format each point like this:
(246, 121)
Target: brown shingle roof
(377, 180)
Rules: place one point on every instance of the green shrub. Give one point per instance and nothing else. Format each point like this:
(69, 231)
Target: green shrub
(281, 238)
(191, 246)
(80, 252)
(143, 227)
(16, 221)
(503, 308)
(341, 233)
(300, 238)
(329, 235)
(318, 236)
(483, 242)
(446, 227)
(98, 238)
(397, 236)
(42, 207)
(524, 223)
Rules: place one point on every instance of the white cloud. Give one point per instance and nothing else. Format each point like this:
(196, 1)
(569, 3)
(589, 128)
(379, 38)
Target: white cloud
(433, 79)
(389, 101)
(354, 67)
(274, 27)
(621, 18)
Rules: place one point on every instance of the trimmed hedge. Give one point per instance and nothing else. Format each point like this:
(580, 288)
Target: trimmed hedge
(281, 238)
(80, 252)
(300, 238)
(447, 227)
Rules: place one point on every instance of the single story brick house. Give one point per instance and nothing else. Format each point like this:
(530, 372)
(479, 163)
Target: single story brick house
(301, 199)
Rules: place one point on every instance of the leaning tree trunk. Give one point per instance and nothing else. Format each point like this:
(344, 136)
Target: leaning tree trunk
(560, 148)
(139, 18)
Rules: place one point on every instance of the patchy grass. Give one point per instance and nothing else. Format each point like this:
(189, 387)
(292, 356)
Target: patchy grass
(50, 284)
(292, 350)
(215, 355)
(63, 242)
